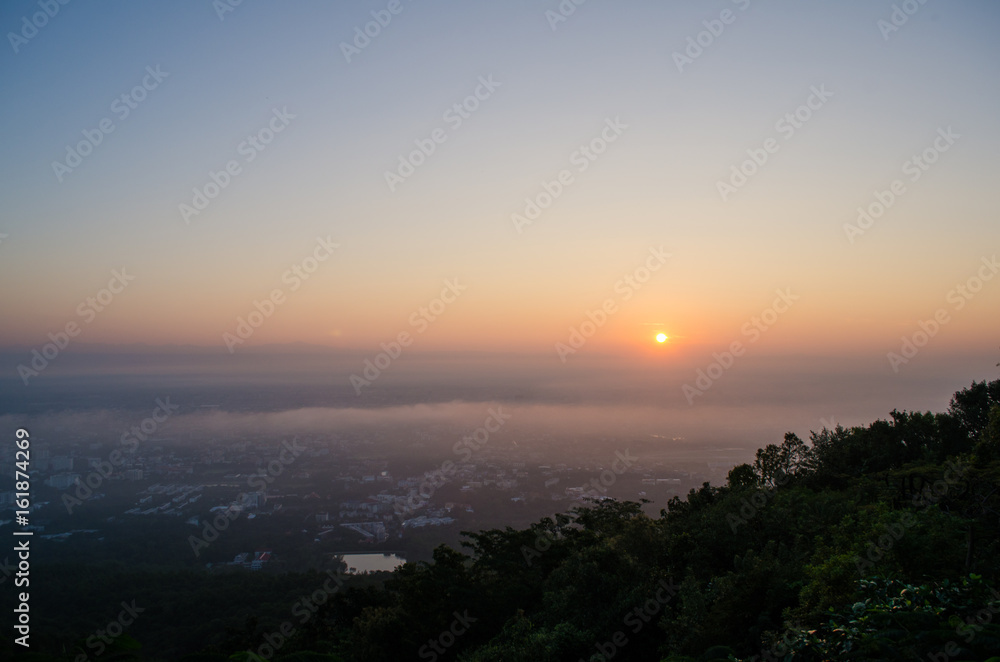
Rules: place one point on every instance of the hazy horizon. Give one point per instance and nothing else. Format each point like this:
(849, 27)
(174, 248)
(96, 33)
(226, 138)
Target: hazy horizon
(300, 390)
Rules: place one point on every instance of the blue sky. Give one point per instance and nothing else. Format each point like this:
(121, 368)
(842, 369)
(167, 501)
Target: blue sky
(324, 175)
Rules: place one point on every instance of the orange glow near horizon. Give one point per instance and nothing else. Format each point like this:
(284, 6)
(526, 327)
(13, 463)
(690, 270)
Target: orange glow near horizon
(312, 244)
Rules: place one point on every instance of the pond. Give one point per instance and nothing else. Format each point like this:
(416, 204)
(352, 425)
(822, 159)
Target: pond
(369, 562)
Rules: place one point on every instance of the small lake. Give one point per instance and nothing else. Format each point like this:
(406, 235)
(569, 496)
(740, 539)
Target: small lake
(367, 562)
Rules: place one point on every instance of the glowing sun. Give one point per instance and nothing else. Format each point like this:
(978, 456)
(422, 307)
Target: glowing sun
(661, 337)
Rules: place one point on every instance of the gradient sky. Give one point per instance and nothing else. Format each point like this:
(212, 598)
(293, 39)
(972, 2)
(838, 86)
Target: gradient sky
(656, 185)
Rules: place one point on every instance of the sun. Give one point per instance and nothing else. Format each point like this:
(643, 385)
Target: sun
(661, 337)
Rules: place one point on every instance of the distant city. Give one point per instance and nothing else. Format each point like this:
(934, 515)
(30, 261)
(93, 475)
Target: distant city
(335, 486)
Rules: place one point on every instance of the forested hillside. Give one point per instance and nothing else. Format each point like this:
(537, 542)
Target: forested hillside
(868, 543)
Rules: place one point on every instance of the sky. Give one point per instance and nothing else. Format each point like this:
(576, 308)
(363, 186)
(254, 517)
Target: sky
(501, 176)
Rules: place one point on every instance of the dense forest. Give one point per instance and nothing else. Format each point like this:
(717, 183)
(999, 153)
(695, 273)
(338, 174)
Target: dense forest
(864, 543)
